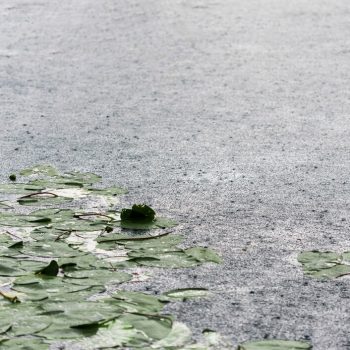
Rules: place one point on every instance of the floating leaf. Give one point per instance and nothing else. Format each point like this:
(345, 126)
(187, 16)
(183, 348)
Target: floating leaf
(25, 344)
(93, 277)
(154, 326)
(158, 222)
(109, 191)
(44, 170)
(176, 259)
(176, 338)
(186, 293)
(5, 205)
(323, 264)
(137, 302)
(115, 334)
(42, 198)
(203, 254)
(18, 188)
(51, 250)
(275, 345)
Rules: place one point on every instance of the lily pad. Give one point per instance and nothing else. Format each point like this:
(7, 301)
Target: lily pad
(44, 170)
(324, 265)
(186, 293)
(203, 254)
(275, 345)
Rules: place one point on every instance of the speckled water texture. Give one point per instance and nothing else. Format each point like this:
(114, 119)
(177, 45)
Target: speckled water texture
(231, 116)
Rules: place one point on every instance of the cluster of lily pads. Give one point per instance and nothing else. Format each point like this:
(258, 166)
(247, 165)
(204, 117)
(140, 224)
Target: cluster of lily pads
(61, 269)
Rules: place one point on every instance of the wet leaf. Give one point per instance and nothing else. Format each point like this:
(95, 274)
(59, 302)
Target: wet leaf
(186, 293)
(109, 191)
(156, 327)
(275, 345)
(203, 254)
(137, 302)
(5, 205)
(50, 250)
(177, 259)
(25, 344)
(43, 170)
(323, 265)
(176, 338)
(92, 277)
(157, 223)
(19, 188)
(37, 199)
(116, 334)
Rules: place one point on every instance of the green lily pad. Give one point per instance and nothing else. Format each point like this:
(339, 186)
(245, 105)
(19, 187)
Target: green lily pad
(175, 259)
(157, 223)
(92, 277)
(275, 345)
(25, 344)
(186, 293)
(50, 250)
(324, 265)
(156, 327)
(20, 188)
(44, 170)
(5, 205)
(137, 302)
(43, 199)
(203, 254)
(114, 335)
(109, 191)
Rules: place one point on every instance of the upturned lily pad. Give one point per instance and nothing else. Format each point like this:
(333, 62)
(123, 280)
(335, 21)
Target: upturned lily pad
(275, 345)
